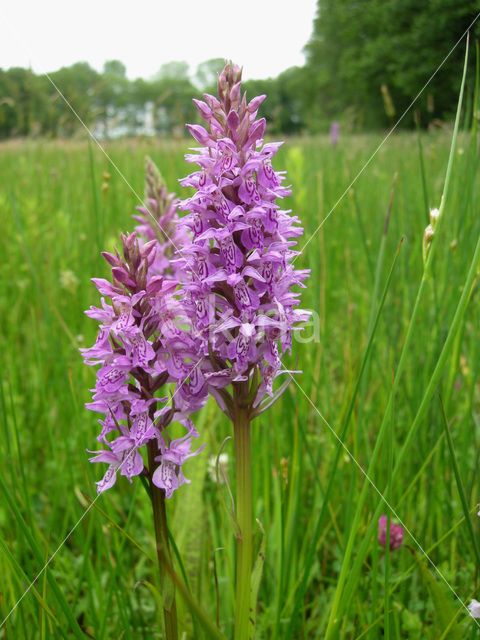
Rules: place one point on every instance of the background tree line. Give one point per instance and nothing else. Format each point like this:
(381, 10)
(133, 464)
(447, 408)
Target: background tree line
(365, 62)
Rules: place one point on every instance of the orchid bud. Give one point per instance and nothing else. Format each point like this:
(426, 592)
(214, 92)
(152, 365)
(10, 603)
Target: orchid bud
(203, 109)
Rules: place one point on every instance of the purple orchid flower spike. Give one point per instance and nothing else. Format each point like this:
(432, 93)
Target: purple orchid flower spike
(239, 263)
(334, 133)
(157, 220)
(144, 343)
(240, 281)
(141, 348)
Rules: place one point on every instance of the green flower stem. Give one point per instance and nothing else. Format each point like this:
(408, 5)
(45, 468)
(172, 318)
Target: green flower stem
(167, 587)
(243, 514)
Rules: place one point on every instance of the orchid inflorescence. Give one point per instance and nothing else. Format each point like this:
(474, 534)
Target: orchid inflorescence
(238, 266)
(203, 301)
(142, 347)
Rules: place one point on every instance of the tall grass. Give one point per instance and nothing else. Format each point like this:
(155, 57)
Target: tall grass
(55, 220)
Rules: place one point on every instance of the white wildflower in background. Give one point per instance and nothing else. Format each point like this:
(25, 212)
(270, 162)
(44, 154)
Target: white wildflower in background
(212, 467)
(474, 608)
(68, 280)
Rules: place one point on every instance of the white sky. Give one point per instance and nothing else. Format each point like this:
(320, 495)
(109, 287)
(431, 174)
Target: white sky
(264, 36)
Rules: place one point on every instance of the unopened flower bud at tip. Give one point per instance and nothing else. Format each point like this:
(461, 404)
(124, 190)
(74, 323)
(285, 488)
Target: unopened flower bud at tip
(428, 236)
(434, 215)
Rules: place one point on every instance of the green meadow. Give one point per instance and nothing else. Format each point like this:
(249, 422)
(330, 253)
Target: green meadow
(389, 389)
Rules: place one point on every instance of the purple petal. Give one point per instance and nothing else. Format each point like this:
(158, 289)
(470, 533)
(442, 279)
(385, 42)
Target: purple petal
(165, 478)
(132, 464)
(233, 120)
(200, 134)
(104, 287)
(108, 479)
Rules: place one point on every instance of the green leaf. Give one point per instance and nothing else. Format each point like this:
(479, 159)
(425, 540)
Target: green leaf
(446, 613)
(117, 526)
(23, 578)
(154, 591)
(31, 541)
(196, 609)
(229, 509)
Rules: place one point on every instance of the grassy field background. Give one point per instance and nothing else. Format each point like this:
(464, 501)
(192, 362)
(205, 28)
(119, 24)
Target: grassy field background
(56, 218)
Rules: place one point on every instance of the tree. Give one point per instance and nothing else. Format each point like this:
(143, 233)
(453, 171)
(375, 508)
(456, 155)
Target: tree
(172, 93)
(176, 70)
(23, 103)
(78, 84)
(359, 45)
(115, 68)
(206, 74)
(112, 94)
